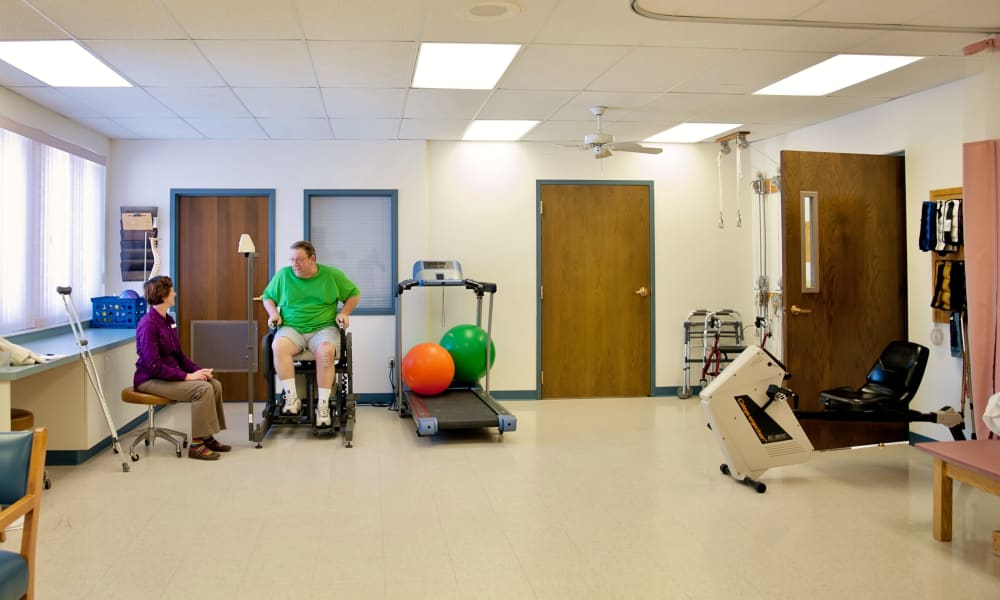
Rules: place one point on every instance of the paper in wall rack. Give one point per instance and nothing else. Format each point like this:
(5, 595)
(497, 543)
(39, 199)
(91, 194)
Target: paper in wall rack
(138, 225)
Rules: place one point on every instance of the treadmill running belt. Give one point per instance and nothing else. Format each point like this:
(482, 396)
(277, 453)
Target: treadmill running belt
(455, 409)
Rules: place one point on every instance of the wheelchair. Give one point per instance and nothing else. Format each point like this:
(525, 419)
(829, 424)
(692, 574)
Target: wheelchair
(343, 401)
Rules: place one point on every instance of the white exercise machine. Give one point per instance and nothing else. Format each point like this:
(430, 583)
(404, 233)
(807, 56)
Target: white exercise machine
(749, 414)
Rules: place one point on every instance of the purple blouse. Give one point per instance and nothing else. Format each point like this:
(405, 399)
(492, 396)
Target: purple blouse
(159, 349)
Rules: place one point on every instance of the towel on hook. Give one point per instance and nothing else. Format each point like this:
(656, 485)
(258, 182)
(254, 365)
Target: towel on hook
(991, 415)
(949, 286)
(928, 226)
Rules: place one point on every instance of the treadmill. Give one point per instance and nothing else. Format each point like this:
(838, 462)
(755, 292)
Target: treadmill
(460, 406)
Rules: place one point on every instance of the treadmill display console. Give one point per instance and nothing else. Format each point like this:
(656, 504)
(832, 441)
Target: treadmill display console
(431, 272)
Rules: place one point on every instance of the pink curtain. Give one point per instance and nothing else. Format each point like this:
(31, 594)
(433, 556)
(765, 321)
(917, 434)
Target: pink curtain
(981, 205)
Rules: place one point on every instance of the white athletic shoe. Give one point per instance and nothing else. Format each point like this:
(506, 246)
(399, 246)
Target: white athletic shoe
(323, 418)
(292, 405)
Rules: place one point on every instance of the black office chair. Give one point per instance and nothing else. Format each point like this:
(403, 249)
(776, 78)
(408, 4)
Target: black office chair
(890, 385)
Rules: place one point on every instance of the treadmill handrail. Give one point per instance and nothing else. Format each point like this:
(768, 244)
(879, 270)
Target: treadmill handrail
(479, 287)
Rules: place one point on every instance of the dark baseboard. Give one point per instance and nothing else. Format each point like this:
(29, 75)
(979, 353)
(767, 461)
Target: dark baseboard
(61, 458)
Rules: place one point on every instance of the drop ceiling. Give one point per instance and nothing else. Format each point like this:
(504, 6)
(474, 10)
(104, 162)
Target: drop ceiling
(340, 69)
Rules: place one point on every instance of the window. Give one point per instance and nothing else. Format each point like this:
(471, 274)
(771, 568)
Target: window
(355, 231)
(52, 227)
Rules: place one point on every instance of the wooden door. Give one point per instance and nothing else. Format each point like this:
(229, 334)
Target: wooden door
(835, 328)
(595, 256)
(210, 276)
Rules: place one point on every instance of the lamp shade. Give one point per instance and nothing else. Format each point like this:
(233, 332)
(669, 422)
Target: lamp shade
(246, 244)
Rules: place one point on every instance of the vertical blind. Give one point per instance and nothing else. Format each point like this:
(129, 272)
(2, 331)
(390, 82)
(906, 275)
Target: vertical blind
(355, 234)
(52, 227)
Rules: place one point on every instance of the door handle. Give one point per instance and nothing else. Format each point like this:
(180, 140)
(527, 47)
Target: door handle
(795, 310)
(643, 291)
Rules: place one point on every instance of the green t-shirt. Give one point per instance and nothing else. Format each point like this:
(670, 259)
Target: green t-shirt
(309, 305)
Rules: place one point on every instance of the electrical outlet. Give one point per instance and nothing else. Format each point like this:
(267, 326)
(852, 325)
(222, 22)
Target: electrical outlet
(391, 361)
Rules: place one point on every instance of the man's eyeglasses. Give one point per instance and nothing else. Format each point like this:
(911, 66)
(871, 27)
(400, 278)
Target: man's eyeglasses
(298, 260)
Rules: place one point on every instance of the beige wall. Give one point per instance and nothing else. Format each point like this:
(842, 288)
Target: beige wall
(475, 202)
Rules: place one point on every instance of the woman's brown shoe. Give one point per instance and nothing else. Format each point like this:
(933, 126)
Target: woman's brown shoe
(216, 445)
(202, 452)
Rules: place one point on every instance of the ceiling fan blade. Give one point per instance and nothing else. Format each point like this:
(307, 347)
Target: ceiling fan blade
(577, 146)
(634, 147)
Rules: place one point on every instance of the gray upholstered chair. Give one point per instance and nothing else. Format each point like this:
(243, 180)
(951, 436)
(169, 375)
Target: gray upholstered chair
(22, 468)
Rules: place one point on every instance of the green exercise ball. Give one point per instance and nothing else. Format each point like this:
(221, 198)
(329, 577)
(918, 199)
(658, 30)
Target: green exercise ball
(467, 346)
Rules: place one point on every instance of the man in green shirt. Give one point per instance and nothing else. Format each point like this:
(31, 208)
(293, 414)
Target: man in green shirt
(302, 300)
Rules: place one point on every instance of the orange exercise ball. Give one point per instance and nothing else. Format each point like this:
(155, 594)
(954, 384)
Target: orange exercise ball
(428, 369)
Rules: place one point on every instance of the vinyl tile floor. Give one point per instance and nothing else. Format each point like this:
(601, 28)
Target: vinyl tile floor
(592, 498)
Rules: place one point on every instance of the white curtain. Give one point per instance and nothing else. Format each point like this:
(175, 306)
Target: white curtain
(52, 226)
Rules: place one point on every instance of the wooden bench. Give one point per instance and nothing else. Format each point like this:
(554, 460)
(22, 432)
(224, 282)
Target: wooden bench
(973, 462)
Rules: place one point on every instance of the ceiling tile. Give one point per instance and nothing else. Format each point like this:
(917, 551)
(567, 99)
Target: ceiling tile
(453, 21)
(19, 22)
(157, 62)
(200, 102)
(112, 19)
(908, 43)
(444, 104)
(282, 102)
(389, 20)
(365, 129)
(549, 67)
(120, 102)
(364, 64)
(524, 104)
(589, 22)
(673, 108)
(364, 103)
(56, 100)
(618, 105)
(748, 109)
(746, 71)
(271, 63)
(660, 69)
(297, 129)
(228, 129)
(570, 132)
(160, 129)
(108, 128)
(921, 75)
(236, 19)
(433, 129)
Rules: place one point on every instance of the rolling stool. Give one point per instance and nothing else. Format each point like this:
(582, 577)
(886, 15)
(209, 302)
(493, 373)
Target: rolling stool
(24, 420)
(150, 432)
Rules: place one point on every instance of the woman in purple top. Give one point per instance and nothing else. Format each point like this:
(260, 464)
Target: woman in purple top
(163, 370)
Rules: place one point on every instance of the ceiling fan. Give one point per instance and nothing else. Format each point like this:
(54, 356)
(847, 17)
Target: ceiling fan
(602, 144)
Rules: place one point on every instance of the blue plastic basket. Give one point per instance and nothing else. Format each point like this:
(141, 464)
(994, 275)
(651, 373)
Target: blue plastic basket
(113, 312)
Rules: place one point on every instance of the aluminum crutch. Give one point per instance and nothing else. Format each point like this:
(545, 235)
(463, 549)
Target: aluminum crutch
(88, 362)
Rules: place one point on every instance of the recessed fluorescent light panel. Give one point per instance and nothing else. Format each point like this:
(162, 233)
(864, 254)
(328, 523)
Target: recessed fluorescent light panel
(689, 133)
(60, 64)
(462, 66)
(497, 130)
(836, 73)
